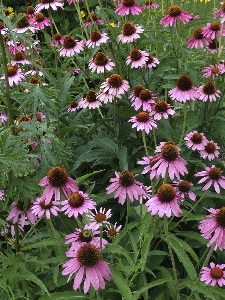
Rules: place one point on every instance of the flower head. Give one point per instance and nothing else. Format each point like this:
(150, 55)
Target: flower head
(150, 4)
(208, 91)
(40, 208)
(175, 13)
(3, 29)
(161, 109)
(99, 218)
(136, 92)
(58, 39)
(40, 21)
(127, 7)
(8, 13)
(20, 59)
(183, 187)
(96, 39)
(210, 151)
(213, 275)
(113, 230)
(213, 71)
(130, 33)
(212, 30)
(152, 61)
(70, 46)
(137, 58)
(195, 140)
(100, 62)
(145, 98)
(24, 25)
(15, 76)
(90, 100)
(220, 13)
(3, 118)
(73, 106)
(93, 19)
(46, 4)
(143, 121)
(197, 39)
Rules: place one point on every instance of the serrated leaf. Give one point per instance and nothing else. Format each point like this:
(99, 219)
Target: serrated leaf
(121, 283)
(116, 249)
(170, 284)
(43, 243)
(82, 178)
(29, 276)
(145, 249)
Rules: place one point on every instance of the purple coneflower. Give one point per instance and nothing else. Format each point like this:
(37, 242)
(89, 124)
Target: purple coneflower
(3, 29)
(90, 100)
(96, 39)
(125, 185)
(40, 208)
(143, 121)
(127, 7)
(58, 39)
(212, 30)
(40, 21)
(208, 91)
(213, 275)
(100, 62)
(195, 140)
(161, 110)
(213, 71)
(213, 46)
(136, 92)
(149, 161)
(19, 58)
(99, 218)
(174, 13)
(130, 33)
(93, 19)
(183, 187)
(13, 49)
(150, 5)
(137, 58)
(70, 46)
(197, 39)
(145, 98)
(74, 105)
(24, 25)
(15, 76)
(152, 61)
(210, 151)
(46, 4)
(220, 13)
(113, 230)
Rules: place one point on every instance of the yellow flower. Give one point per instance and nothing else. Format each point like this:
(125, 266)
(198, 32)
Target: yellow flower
(112, 24)
(204, 0)
(82, 13)
(8, 13)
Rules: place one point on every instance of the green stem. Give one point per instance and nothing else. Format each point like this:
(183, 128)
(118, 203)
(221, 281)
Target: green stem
(17, 238)
(154, 137)
(184, 124)
(144, 142)
(128, 213)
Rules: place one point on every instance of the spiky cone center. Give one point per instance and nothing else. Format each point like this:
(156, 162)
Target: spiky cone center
(69, 42)
(18, 56)
(210, 147)
(73, 104)
(85, 235)
(100, 217)
(128, 29)
(150, 59)
(135, 55)
(145, 95)
(91, 96)
(143, 117)
(126, 179)
(137, 89)
(220, 217)
(95, 36)
(184, 83)
(57, 176)
(198, 35)
(112, 232)
(174, 11)
(215, 173)
(92, 17)
(24, 119)
(213, 45)
(128, 3)
(30, 10)
(76, 200)
(23, 23)
(43, 205)
(166, 193)
(196, 138)
(184, 186)
(57, 36)
(215, 26)
(115, 81)
(215, 70)
(209, 88)
(88, 255)
(169, 152)
(12, 70)
(39, 17)
(161, 106)
(216, 273)
(100, 59)
(2, 25)
(34, 80)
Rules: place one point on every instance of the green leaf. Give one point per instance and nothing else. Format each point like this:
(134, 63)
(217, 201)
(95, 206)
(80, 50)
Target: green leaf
(43, 243)
(145, 249)
(116, 249)
(170, 284)
(65, 296)
(29, 276)
(82, 178)
(122, 155)
(121, 283)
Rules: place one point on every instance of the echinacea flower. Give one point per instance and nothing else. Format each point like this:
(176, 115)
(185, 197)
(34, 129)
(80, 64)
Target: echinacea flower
(3, 29)
(145, 98)
(165, 202)
(127, 7)
(183, 187)
(220, 13)
(213, 275)
(130, 33)
(99, 218)
(3, 118)
(152, 62)
(14, 48)
(40, 21)
(125, 185)
(96, 39)
(20, 59)
(24, 25)
(87, 258)
(213, 46)
(74, 105)
(195, 140)
(213, 71)
(57, 178)
(184, 90)
(93, 19)
(175, 13)
(90, 100)
(147, 195)
(213, 30)
(58, 39)
(213, 228)
(150, 5)
(214, 175)
(197, 39)
(77, 203)
(143, 121)
(136, 92)
(70, 46)
(137, 58)
(40, 208)
(113, 230)
(15, 76)
(46, 4)
(208, 91)
(210, 151)
(100, 62)
(30, 12)
(161, 109)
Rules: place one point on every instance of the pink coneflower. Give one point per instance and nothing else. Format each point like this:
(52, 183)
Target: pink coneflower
(214, 175)
(15, 76)
(90, 100)
(87, 235)
(169, 161)
(114, 86)
(161, 110)
(220, 13)
(145, 98)
(77, 203)
(183, 187)
(70, 46)
(136, 92)
(101, 62)
(46, 4)
(4, 118)
(74, 105)
(212, 30)
(149, 161)
(195, 140)
(152, 61)
(3, 29)
(30, 12)
(214, 46)
(127, 7)
(213, 275)
(150, 5)
(213, 71)
(57, 178)
(210, 151)
(213, 228)
(113, 230)
(87, 258)
(93, 19)
(209, 92)
(125, 185)
(130, 33)
(58, 39)
(137, 58)
(184, 90)
(174, 13)
(147, 195)
(2, 195)
(20, 59)
(143, 121)
(99, 218)
(13, 49)
(198, 39)
(96, 39)
(165, 202)
(41, 21)
(24, 25)
(40, 208)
